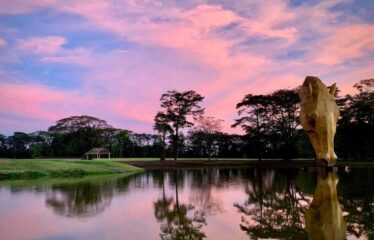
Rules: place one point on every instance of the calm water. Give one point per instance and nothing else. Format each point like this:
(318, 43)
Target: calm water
(193, 204)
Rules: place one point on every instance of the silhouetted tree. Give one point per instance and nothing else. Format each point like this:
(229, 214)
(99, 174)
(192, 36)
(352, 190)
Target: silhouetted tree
(3, 146)
(77, 134)
(356, 126)
(179, 106)
(270, 122)
(162, 126)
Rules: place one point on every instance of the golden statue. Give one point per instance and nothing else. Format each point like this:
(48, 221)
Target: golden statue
(318, 116)
(324, 218)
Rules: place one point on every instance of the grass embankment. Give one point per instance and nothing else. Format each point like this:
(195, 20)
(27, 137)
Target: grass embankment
(48, 181)
(38, 168)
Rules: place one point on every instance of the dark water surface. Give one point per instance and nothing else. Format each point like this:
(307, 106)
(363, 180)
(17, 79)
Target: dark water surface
(192, 204)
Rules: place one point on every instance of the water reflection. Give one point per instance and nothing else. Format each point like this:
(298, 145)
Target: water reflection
(275, 206)
(199, 204)
(324, 218)
(178, 220)
(80, 200)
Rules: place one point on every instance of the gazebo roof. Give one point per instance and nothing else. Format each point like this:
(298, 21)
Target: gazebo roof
(96, 151)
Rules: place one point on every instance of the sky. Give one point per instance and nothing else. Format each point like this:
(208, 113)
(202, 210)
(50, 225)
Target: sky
(113, 59)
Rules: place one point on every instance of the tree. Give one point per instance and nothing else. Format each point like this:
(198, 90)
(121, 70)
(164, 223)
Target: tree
(40, 145)
(18, 144)
(77, 134)
(178, 107)
(3, 146)
(270, 122)
(356, 126)
(207, 127)
(162, 126)
(76, 123)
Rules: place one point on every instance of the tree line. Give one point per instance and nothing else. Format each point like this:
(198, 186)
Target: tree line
(269, 121)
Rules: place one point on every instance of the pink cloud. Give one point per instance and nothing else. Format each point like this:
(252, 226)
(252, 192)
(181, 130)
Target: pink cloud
(2, 42)
(31, 100)
(45, 104)
(42, 45)
(349, 42)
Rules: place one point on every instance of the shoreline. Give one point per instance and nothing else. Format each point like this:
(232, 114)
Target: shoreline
(195, 164)
(27, 169)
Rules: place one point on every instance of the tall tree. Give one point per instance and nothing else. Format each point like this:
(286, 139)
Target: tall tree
(178, 107)
(162, 126)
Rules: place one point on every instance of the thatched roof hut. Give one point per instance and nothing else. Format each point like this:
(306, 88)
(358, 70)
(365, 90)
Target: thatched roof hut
(97, 152)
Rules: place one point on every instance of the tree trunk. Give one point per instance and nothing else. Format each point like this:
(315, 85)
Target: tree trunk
(209, 151)
(176, 143)
(163, 147)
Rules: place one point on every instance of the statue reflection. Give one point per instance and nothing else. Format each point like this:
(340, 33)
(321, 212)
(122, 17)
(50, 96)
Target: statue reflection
(324, 218)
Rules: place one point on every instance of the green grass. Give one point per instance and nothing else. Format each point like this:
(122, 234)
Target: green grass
(44, 182)
(37, 168)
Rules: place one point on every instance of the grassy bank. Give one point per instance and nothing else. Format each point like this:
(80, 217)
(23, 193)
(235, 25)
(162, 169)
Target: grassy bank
(38, 168)
(48, 181)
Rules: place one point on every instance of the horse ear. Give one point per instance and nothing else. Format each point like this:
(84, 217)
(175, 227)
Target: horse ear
(305, 91)
(332, 89)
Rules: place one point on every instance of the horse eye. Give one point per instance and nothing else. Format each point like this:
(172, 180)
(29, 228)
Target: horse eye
(312, 121)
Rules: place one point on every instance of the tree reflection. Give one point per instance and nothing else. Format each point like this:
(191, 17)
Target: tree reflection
(275, 206)
(179, 221)
(80, 200)
(357, 199)
(202, 185)
(324, 218)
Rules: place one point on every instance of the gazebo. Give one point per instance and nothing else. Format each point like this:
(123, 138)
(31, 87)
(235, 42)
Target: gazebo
(97, 152)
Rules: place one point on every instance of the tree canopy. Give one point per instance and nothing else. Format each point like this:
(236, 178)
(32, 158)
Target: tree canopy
(178, 107)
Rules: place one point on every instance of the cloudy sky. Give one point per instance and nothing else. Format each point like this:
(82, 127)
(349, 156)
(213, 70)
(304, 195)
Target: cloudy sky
(113, 59)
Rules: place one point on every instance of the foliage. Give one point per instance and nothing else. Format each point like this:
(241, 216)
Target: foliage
(270, 122)
(206, 130)
(162, 126)
(356, 127)
(178, 106)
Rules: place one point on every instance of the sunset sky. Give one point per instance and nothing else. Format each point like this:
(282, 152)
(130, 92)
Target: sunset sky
(113, 59)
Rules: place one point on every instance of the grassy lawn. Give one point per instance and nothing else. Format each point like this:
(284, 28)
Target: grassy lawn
(49, 181)
(35, 168)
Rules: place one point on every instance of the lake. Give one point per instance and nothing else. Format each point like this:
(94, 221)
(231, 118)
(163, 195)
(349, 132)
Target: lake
(192, 204)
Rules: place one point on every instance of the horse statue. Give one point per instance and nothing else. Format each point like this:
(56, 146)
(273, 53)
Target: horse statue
(324, 218)
(318, 116)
